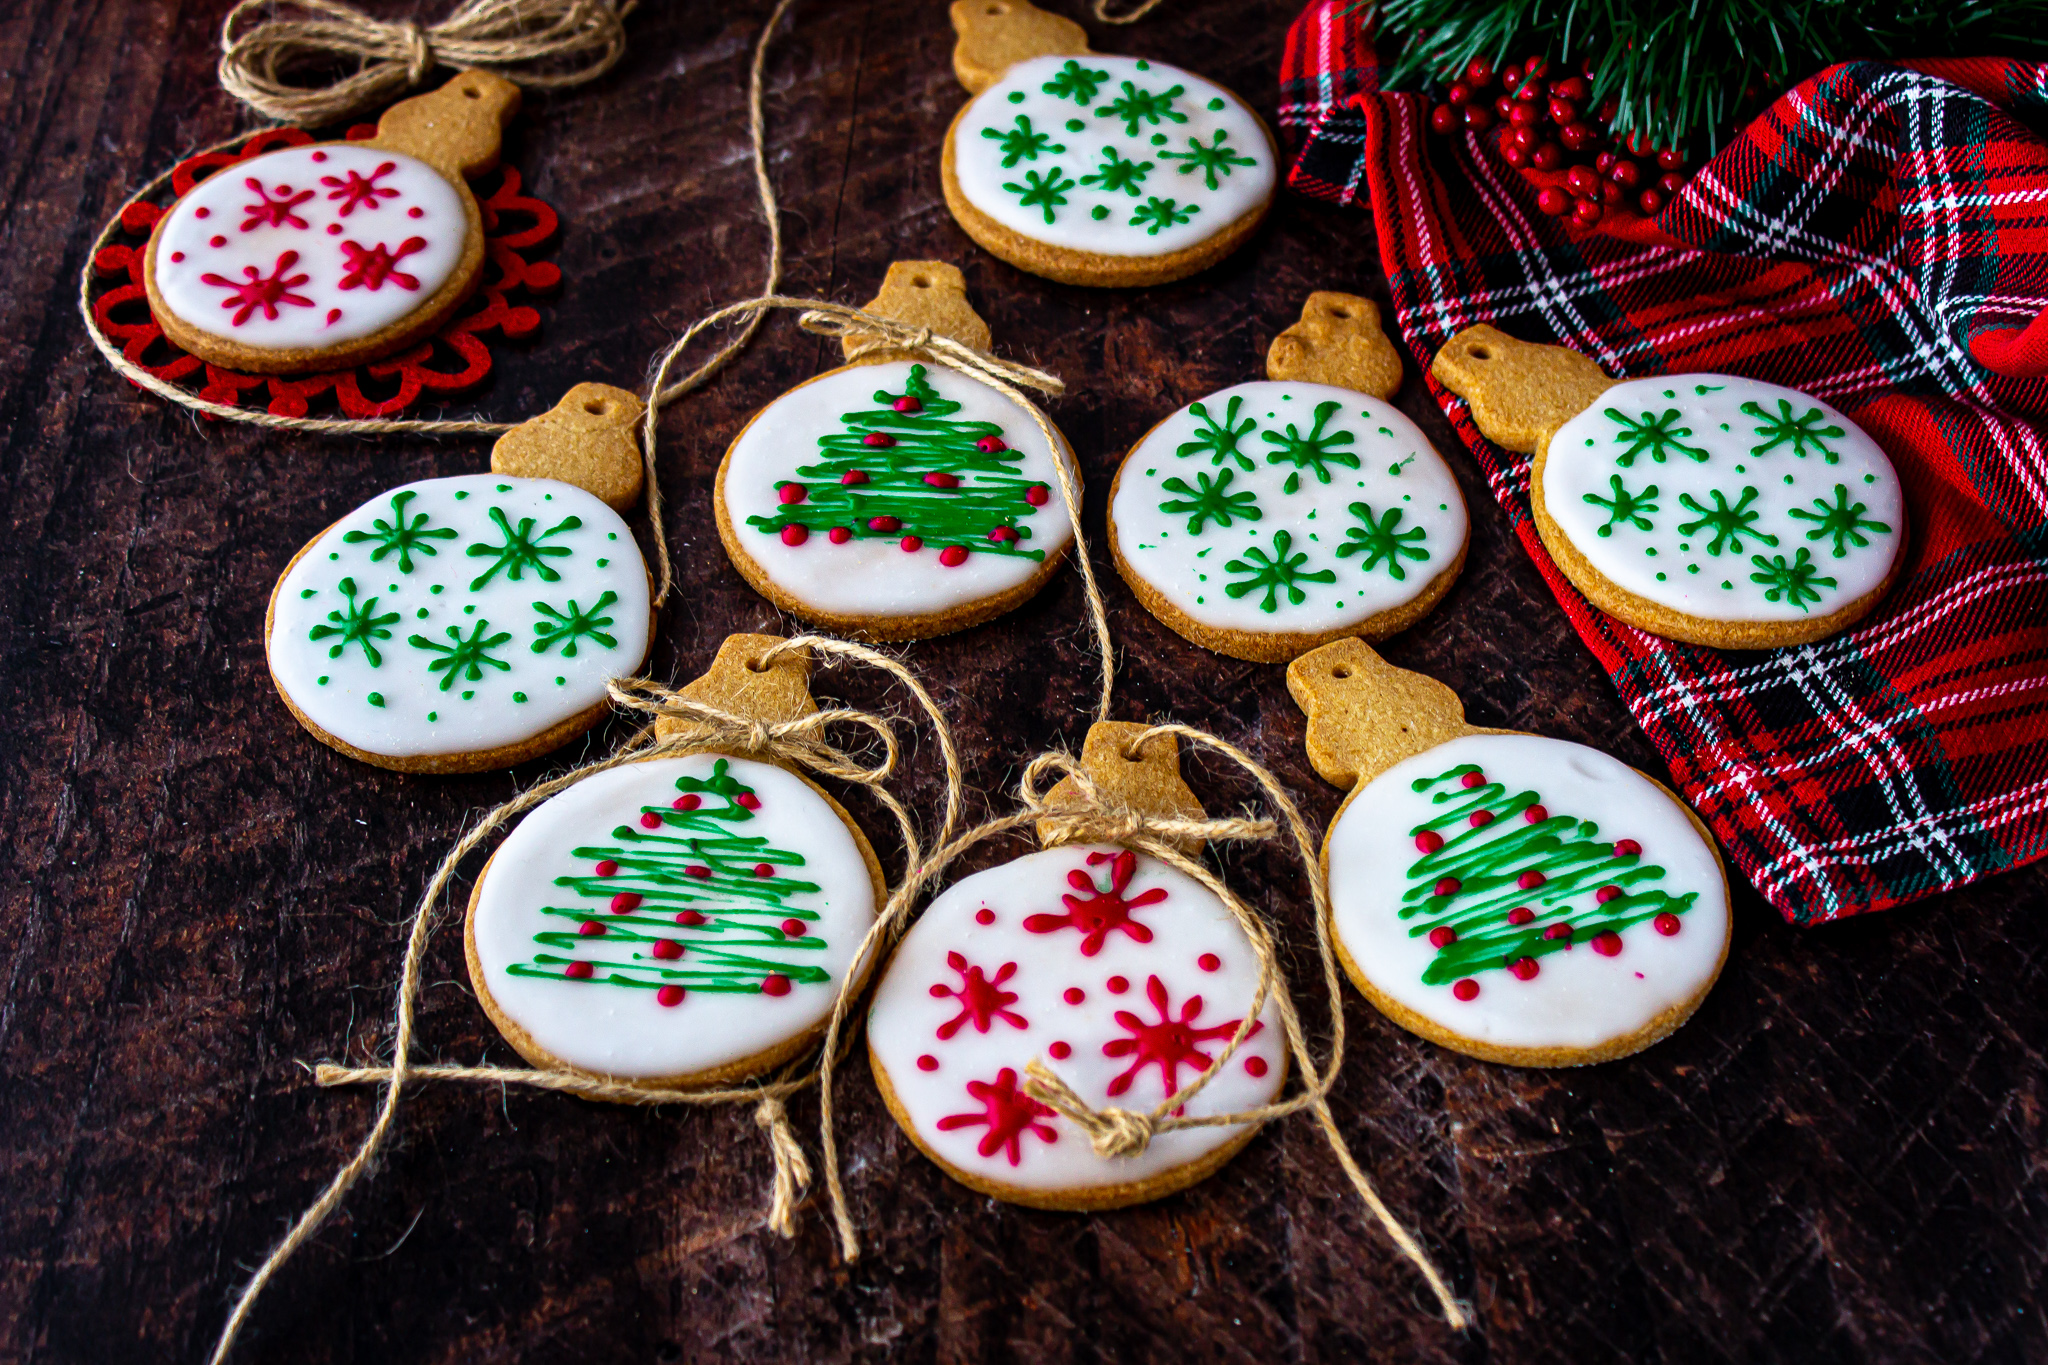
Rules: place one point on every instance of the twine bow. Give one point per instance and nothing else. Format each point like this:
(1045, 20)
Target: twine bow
(539, 44)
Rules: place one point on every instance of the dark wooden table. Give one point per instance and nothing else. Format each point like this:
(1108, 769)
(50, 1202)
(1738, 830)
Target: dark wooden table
(1842, 1157)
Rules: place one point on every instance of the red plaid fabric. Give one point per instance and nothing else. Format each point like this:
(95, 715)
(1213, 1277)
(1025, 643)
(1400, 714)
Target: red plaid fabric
(1853, 242)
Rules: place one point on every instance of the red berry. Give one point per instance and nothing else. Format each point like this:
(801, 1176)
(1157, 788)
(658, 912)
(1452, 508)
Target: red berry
(1627, 848)
(1534, 67)
(792, 928)
(1666, 924)
(1443, 936)
(1606, 894)
(990, 445)
(1530, 880)
(911, 544)
(1608, 109)
(1501, 105)
(1511, 75)
(1524, 968)
(1612, 195)
(1479, 819)
(1548, 156)
(1429, 841)
(1479, 73)
(1604, 162)
(1003, 535)
(1444, 119)
(940, 479)
(1559, 931)
(1577, 137)
(1573, 88)
(839, 535)
(1671, 182)
(1478, 117)
(907, 404)
(1530, 92)
(881, 440)
(853, 477)
(575, 971)
(790, 494)
(1524, 139)
(690, 919)
(670, 995)
(687, 801)
(1466, 989)
(1625, 173)
(884, 524)
(953, 556)
(1651, 202)
(1587, 212)
(1536, 815)
(1472, 779)
(1554, 202)
(748, 801)
(650, 821)
(667, 949)
(1639, 145)
(607, 868)
(1562, 111)
(1513, 155)
(1459, 93)
(775, 984)
(1582, 180)
(625, 903)
(795, 534)
(1448, 886)
(1607, 943)
(1524, 115)
(1671, 159)
(1521, 915)
(590, 928)
(1037, 495)
(764, 869)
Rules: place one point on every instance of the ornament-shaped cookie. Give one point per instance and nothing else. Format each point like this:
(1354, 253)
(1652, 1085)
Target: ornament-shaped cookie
(1701, 507)
(331, 254)
(1273, 517)
(679, 921)
(896, 498)
(1519, 899)
(1122, 975)
(1091, 169)
(474, 622)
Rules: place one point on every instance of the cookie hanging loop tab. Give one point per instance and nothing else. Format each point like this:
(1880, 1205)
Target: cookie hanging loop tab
(458, 129)
(1365, 715)
(587, 439)
(1520, 392)
(737, 682)
(1338, 341)
(997, 34)
(929, 295)
(1129, 766)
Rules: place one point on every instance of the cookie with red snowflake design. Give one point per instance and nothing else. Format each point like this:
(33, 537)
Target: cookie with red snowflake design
(332, 254)
(1124, 976)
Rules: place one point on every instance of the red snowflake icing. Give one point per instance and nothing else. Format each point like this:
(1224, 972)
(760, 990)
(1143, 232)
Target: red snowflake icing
(359, 190)
(260, 291)
(1007, 1112)
(277, 212)
(1168, 1044)
(1101, 910)
(368, 267)
(982, 998)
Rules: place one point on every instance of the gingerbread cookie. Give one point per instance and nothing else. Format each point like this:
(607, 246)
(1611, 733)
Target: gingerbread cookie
(468, 623)
(675, 922)
(1272, 517)
(328, 255)
(1121, 974)
(1702, 507)
(896, 498)
(1515, 898)
(1096, 170)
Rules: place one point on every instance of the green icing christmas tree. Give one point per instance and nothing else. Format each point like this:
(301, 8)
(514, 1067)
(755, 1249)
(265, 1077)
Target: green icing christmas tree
(1502, 882)
(683, 901)
(908, 470)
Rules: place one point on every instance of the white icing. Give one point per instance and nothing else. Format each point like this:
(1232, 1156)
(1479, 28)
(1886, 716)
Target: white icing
(599, 1025)
(1579, 998)
(503, 706)
(1069, 157)
(1186, 925)
(337, 234)
(876, 576)
(1682, 571)
(1398, 471)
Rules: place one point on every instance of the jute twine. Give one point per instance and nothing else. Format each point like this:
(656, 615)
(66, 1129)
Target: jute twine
(538, 44)
(1130, 16)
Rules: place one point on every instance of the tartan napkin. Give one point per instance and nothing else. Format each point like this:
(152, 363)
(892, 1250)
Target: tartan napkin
(1878, 238)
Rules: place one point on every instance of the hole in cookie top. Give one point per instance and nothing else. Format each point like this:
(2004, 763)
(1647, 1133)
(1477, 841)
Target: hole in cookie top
(997, 9)
(1479, 352)
(470, 92)
(1338, 310)
(596, 407)
(1341, 671)
(756, 666)
(920, 281)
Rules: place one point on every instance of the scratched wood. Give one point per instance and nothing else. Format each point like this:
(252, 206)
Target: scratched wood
(1842, 1157)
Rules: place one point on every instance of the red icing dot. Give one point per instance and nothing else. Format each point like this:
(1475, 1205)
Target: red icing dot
(792, 928)
(1606, 894)
(1535, 815)
(839, 535)
(940, 991)
(775, 984)
(1209, 962)
(795, 534)
(940, 479)
(667, 949)
(953, 556)
(1038, 495)
(1626, 848)
(607, 868)
(1117, 985)
(319, 156)
(1563, 931)
(911, 544)
(1530, 880)
(927, 1063)
(1448, 886)
(1429, 841)
(625, 903)
(1467, 989)
(202, 213)
(1607, 943)
(853, 476)
(764, 869)
(650, 821)
(1666, 924)
(216, 241)
(748, 801)
(1524, 968)
(1003, 535)
(989, 445)
(790, 494)
(881, 440)
(1471, 780)
(415, 212)
(1521, 914)
(1255, 1067)
(687, 801)
(1480, 818)
(907, 404)
(334, 229)
(984, 916)
(177, 256)
(590, 928)
(575, 971)
(1443, 936)
(1074, 995)
(690, 919)
(1060, 1052)
(884, 524)
(670, 995)
(333, 316)
(697, 870)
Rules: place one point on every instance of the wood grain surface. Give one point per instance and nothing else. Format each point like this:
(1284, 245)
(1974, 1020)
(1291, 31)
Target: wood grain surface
(1841, 1158)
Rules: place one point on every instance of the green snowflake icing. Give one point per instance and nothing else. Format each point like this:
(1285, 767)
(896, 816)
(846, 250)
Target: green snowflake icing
(1075, 82)
(1728, 524)
(1156, 213)
(1046, 190)
(1842, 520)
(1211, 501)
(1137, 106)
(1797, 582)
(1210, 159)
(566, 625)
(399, 536)
(1218, 440)
(1806, 435)
(356, 624)
(1276, 573)
(1633, 508)
(1380, 542)
(1115, 173)
(463, 657)
(1657, 434)
(1317, 450)
(522, 550)
(1020, 143)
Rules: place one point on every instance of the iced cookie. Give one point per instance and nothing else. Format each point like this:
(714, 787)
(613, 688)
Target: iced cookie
(1096, 170)
(895, 498)
(676, 922)
(1701, 507)
(325, 256)
(1122, 975)
(1272, 517)
(1519, 899)
(468, 623)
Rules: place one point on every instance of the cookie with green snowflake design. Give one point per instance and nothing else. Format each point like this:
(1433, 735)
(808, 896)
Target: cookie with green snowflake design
(1097, 170)
(1701, 507)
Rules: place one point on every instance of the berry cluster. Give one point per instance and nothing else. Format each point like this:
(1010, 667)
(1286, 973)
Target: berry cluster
(1547, 129)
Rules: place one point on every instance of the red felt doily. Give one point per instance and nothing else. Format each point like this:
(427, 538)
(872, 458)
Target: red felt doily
(455, 358)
